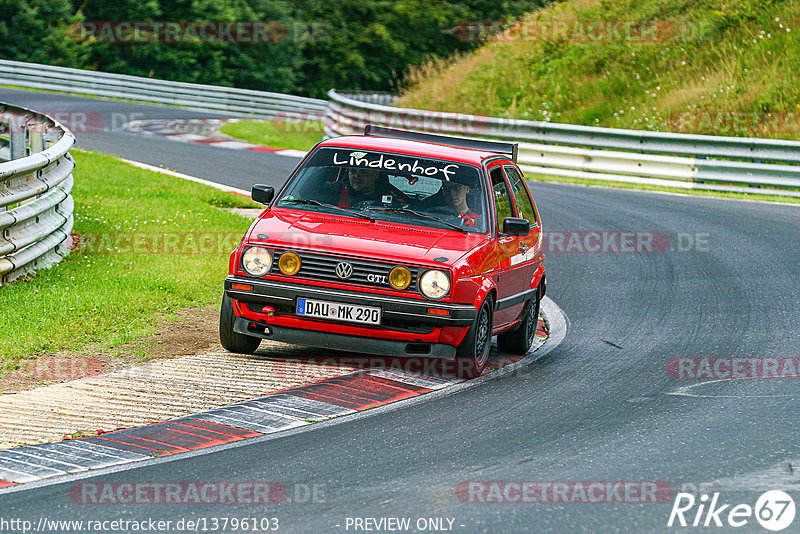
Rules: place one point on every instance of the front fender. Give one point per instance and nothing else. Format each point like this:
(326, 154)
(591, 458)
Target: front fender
(233, 260)
(486, 287)
(539, 278)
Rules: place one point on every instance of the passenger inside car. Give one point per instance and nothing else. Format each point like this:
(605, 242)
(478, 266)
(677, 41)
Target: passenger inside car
(455, 195)
(453, 198)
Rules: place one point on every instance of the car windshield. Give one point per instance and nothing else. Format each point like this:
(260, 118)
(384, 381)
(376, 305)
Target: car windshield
(392, 187)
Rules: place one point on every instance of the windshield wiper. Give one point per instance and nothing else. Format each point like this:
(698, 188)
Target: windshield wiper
(419, 214)
(326, 205)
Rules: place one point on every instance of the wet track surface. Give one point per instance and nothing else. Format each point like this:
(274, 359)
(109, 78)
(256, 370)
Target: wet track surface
(601, 406)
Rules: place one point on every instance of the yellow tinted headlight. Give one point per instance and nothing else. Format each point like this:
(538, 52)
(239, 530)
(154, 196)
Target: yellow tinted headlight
(289, 263)
(400, 278)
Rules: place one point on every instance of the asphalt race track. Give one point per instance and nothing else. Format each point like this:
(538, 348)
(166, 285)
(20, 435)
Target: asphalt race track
(601, 406)
(103, 120)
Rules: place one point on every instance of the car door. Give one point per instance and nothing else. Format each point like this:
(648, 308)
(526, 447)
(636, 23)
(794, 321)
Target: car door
(526, 209)
(510, 270)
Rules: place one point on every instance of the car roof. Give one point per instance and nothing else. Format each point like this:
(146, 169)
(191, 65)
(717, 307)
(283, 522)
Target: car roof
(412, 148)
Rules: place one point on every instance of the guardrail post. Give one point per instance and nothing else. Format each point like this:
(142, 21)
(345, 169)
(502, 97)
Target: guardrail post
(17, 141)
(36, 136)
(49, 139)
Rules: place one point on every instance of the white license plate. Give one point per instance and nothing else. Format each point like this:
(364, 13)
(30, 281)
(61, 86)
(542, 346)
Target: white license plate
(337, 311)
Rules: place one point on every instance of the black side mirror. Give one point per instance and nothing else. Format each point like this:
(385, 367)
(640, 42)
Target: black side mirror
(263, 194)
(515, 226)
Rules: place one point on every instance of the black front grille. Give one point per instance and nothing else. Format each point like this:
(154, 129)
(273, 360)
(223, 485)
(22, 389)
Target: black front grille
(323, 267)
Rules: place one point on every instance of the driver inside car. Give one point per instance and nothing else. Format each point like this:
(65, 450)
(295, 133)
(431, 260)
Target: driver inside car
(366, 187)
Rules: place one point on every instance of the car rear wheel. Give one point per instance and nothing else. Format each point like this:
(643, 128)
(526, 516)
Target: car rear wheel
(519, 340)
(473, 353)
(232, 341)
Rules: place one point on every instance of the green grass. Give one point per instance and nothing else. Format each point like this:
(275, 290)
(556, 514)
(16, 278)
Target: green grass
(724, 68)
(719, 68)
(647, 187)
(277, 134)
(101, 295)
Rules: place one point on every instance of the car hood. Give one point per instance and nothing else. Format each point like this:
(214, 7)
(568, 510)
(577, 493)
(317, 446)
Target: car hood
(331, 233)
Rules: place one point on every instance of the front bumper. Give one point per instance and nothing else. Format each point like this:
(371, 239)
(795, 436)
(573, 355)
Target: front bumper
(406, 329)
(330, 340)
(282, 294)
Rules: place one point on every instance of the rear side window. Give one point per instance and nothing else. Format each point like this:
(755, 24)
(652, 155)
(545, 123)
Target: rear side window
(524, 204)
(502, 198)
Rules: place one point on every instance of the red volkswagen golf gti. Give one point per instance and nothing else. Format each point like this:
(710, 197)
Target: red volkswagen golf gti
(393, 243)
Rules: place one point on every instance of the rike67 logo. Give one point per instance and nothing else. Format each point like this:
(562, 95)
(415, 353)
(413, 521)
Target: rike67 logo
(774, 510)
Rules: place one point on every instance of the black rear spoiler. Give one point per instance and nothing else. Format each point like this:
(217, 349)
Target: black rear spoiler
(499, 147)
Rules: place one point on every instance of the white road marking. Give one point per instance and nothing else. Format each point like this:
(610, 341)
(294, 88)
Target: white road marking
(685, 391)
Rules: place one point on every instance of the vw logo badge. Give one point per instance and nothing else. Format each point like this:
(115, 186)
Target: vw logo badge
(344, 270)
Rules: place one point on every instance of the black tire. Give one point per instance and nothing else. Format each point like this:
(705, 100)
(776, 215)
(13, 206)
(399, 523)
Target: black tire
(231, 340)
(518, 341)
(473, 353)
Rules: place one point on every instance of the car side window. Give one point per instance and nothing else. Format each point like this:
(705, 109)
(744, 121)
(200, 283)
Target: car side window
(502, 198)
(523, 200)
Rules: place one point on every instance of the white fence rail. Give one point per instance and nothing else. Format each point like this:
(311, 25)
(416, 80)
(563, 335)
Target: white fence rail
(36, 207)
(656, 158)
(209, 98)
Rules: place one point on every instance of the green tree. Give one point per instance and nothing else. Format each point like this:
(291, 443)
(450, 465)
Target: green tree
(264, 66)
(369, 45)
(39, 31)
(318, 45)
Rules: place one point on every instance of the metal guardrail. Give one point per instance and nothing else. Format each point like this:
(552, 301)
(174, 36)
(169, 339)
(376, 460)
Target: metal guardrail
(209, 98)
(36, 207)
(656, 158)
(660, 158)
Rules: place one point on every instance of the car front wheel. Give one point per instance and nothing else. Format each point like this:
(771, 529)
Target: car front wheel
(232, 341)
(473, 353)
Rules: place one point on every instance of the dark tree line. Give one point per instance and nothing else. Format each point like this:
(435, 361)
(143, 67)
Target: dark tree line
(310, 45)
